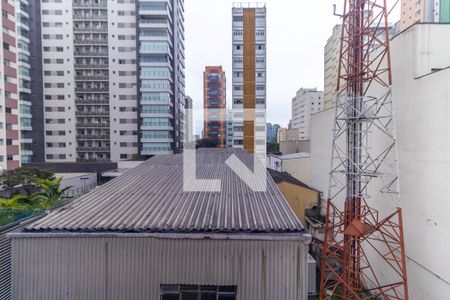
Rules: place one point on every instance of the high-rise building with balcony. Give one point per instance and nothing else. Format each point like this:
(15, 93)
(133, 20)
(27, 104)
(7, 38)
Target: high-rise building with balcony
(249, 76)
(331, 65)
(113, 78)
(9, 98)
(214, 104)
(161, 76)
(305, 103)
(424, 11)
(89, 80)
(24, 80)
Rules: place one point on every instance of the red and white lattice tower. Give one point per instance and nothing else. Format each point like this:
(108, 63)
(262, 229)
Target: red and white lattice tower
(363, 253)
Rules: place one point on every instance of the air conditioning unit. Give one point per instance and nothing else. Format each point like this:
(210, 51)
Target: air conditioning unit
(311, 276)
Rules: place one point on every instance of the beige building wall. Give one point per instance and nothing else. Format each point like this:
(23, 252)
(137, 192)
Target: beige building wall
(281, 135)
(299, 168)
(289, 147)
(299, 198)
(331, 67)
(412, 11)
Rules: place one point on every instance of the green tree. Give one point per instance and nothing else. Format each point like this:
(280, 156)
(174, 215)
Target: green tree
(272, 148)
(15, 203)
(51, 193)
(25, 177)
(206, 143)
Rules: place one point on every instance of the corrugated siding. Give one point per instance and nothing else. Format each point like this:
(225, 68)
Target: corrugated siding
(5, 254)
(112, 268)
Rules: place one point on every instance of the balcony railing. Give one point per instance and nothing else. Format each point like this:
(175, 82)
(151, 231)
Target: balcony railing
(93, 159)
(92, 101)
(90, 17)
(93, 149)
(90, 53)
(92, 113)
(92, 125)
(82, 77)
(89, 5)
(91, 66)
(90, 29)
(92, 137)
(91, 90)
(90, 41)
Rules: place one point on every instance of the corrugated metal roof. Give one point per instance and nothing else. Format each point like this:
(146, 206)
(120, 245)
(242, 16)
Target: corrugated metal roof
(150, 198)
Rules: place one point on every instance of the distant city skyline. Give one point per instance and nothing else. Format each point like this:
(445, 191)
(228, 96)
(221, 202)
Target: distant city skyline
(295, 47)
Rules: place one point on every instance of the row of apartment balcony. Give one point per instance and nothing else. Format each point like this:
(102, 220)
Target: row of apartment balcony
(91, 41)
(78, 28)
(91, 101)
(90, 3)
(92, 125)
(90, 17)
(92, 113)
(91, 66)
(93, 149)
(92, 89)
(96, 159)
(92, 137)
(92, 77)
(91, 53)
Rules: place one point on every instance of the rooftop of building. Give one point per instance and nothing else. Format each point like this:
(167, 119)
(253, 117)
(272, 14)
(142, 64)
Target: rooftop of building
(249, 5)
(292, 155)
(280, 177)
(150, 198)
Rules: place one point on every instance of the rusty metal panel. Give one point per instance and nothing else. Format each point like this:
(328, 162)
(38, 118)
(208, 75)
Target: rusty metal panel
(115, 268)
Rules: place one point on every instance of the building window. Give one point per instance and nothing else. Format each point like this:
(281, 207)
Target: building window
(237, 18)
(187, 292)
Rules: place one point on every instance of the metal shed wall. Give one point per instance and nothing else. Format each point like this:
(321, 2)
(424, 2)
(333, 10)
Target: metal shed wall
(132, 268)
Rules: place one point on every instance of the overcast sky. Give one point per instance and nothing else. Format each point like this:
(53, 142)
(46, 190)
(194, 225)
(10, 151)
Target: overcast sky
(297, 31)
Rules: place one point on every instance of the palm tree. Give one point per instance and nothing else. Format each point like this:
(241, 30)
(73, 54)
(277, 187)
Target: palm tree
(51, 193)
(13, 204)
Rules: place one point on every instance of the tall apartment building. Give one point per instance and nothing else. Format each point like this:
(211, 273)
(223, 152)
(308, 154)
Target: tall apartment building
(229, 118)
(214, 104)
(420, 11)
(9, 99)
(113, 78)
(249, 75)
(189, 121)
(304, 104)
(24, 80)
(332, 52)
(161, 76)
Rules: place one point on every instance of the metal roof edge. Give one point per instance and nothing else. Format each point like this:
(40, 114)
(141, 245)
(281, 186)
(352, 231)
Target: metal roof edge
(304, 236)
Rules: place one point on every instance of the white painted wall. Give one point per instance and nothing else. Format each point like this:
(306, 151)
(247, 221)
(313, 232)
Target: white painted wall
(68, 79)
(422, 112)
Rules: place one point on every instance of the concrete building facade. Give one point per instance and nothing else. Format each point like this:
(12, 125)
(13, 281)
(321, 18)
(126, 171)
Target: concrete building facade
(420, 71)
(424, 11)
(331, 64)
(249, 76)
(304, 104)
(161, 76)
(214, 104)
(117, 76)
(24, 79)
(229, 116)
(10, 156)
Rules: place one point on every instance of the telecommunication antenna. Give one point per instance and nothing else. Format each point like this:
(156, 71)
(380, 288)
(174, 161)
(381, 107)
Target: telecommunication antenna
(359, 243)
